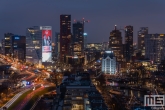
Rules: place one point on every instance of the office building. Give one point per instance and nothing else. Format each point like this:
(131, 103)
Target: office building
(77, 92)
(155, 47)
(38, 44)
(161, 66)
(18, 47)
(128, 42)
(85, 40)
(105, 45)
(141, 44)
(3, 46)
(65, 36)
(57, 44)
(93, 51)
(94, 46)
(7, 48)
(33, 44)
(115, 43)
(109, 63)
(78, 38)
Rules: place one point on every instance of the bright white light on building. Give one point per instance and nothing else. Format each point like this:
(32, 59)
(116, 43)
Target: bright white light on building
(108, 51)
(85, 34)
(75, 56)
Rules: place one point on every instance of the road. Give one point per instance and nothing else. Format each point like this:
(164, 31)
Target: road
(10, 102)
(17, 67)
(27, 99)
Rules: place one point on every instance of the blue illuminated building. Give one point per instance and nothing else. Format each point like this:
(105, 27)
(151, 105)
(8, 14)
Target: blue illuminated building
(18, 47)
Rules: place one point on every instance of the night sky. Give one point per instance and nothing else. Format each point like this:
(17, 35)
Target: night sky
(17, 15)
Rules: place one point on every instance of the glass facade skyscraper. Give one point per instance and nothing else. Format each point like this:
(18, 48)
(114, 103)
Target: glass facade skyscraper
(115, 43)
(141, 44)
(78, 39)
(34, 44)
(155, 47)
(65, 36)
(128, 42)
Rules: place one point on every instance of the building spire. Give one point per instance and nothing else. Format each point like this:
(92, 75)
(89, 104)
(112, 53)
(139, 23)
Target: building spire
(115, 27)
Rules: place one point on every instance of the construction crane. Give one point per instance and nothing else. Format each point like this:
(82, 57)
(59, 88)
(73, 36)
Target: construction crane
(83, 21)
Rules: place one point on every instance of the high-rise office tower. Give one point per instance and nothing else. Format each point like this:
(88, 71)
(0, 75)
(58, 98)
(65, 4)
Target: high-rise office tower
(155, 47)
(57, 43)
(7, 48)
(65, 35)
(33, 44)
(141, 45)
(128, 42)
(77, 38)
(39, 44)
(115, 43)
(18, 47)
(85, 40)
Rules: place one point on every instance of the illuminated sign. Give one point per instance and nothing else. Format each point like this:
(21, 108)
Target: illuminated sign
(109, 51)
(85, 34)
(16, 37)
(46, 44)
(45, 27)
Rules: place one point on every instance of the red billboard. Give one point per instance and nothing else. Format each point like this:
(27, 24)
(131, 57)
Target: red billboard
(46, 45)
(46, 37)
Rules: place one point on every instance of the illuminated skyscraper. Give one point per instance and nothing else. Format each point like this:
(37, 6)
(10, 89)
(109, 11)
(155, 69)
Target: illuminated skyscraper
(85, 40)
(155, 47)
(115, 43)
(108, 63)
(18, 47)
(65, 35)
(7, 42)
(128, 42)
(39, 44)
(77, 38)
(141, 44)
(33, 44)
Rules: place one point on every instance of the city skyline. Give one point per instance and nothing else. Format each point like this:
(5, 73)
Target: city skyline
(82, 54)
(102, 20)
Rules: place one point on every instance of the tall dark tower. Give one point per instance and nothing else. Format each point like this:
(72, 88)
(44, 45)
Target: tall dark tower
(128, 42)
(78, 38)
(65, 35)
(7, 42)
(18, 47)
(141, 44)
(115, 43)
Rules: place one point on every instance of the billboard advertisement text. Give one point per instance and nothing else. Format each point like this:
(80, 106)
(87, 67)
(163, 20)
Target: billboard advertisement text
(46, 45)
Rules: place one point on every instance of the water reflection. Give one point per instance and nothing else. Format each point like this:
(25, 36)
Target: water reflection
(133, 92)
(128, 92)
